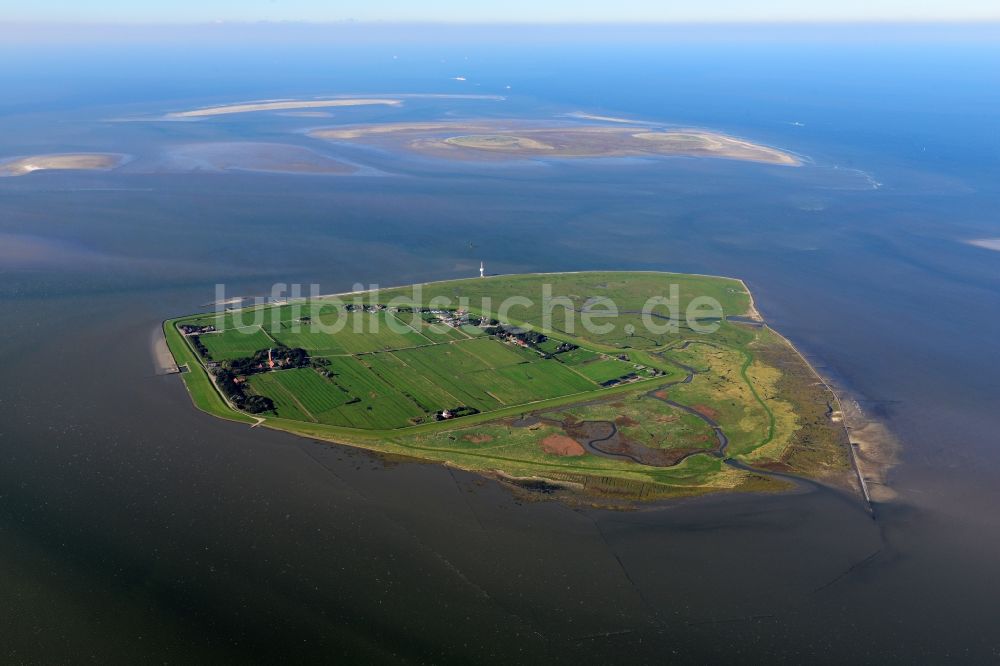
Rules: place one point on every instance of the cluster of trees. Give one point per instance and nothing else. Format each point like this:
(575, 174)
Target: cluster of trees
(283, 357)
(531, 338)
(235, 389)
(191, 329)
(200, 346)
(255, 404)
(230, 376)
(351, 307)
(483, 321)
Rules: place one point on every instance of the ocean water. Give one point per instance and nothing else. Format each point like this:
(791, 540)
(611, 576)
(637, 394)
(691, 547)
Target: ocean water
(132, 525)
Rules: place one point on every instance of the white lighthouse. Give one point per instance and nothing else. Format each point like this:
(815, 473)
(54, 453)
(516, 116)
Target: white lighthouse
(482, 269)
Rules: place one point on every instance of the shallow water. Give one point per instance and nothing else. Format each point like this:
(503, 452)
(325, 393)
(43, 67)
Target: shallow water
(133, 525)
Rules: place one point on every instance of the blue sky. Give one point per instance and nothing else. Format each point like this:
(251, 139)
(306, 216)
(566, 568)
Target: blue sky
(180, 11)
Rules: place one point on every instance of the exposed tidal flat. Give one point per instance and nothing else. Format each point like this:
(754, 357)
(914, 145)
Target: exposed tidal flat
(578, 135)
(22, 166)
(179, 150)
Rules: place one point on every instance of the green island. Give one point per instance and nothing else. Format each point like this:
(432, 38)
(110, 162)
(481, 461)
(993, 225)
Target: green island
(569, 383)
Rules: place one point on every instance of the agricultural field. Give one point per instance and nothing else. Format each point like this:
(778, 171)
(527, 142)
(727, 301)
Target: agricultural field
(617, 411)
(235, 343)
(602, 370)
(348, 333)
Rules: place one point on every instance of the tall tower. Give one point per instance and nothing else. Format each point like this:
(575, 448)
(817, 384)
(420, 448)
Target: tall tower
(482, 269)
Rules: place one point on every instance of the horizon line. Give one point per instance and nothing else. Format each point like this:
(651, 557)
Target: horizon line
(950, 21)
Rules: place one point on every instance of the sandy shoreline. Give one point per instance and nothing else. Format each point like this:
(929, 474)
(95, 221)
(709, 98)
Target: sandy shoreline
(163, 360)
(752, 311)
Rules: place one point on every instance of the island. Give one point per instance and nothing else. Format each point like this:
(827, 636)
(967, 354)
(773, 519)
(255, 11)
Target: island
(498, 139)
(599, 386)
(280, 105)
(22, 166)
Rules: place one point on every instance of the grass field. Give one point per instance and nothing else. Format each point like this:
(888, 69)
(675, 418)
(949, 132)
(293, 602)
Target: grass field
(578, 357)
(235, 343)
(302, 391)
(596, 367)
(497, 355)
(421, 389)
(382, 379)
(348, 333)
(377, 403)
(287, 404)
(386, 376)
(603, 370)
(536, 381)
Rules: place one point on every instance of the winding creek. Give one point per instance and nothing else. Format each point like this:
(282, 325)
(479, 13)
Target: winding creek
(593, 444)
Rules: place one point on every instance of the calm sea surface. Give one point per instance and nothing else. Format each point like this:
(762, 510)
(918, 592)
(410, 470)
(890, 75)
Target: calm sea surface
(133, 526)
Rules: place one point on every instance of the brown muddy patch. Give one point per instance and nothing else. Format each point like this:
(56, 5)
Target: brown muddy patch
(478, 438)
(623, 420)
(705, 410)
(605, 440)
(645, 455)
(561, 445)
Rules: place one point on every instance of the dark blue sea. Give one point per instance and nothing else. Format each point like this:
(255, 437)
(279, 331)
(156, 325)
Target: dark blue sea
(134, 528)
